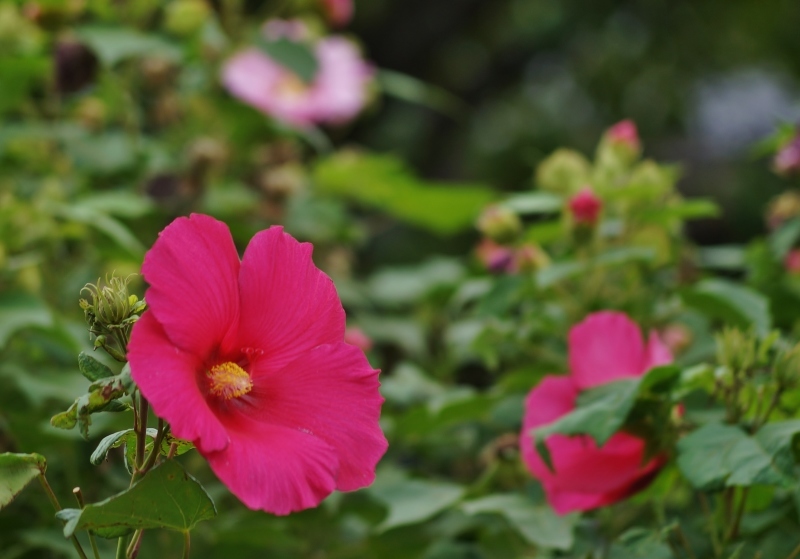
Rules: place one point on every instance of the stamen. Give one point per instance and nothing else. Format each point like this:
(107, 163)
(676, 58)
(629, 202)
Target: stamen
(228, 380)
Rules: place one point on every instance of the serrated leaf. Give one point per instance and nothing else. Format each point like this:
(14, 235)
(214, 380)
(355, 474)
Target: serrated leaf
(167, 497)
(91, 368)
(718, 455)
(298, 58)
(414, 500)
(733, 303)
(538, 524)
(16, 471)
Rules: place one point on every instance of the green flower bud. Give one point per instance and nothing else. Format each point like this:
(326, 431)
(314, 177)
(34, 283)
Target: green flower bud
(500, 224)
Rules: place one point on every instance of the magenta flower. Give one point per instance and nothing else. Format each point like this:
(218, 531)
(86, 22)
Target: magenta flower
(247, 360)
(339, 12)
(787, 160)
(337, 93)
(607, 346)
(585, 207)
(792, 261)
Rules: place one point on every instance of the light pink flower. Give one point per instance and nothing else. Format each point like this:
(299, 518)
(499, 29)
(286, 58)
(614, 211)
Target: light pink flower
(607, 346)
(247, 360)
(339, 12)
(337, 93)
(585, 207)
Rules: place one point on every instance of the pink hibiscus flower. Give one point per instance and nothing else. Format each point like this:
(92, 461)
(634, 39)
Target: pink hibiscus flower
(247, 360)
(337, 93)
(607, 346)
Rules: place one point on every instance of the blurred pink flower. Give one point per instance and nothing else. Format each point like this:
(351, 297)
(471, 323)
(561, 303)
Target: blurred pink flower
(247, 360)
(607, 346)
(337, 93)
(495, 258)
(339, 12)
(787, 160)
(585, 207)
(356, 336)
(625, 133)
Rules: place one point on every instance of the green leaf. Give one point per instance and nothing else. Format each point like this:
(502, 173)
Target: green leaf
(782, 240)
(111, 441)
(731, 303)
(639, 543)
(383, 182)
(538, 524)
(718, 455)
(414, 500)
(114, 44)
(416, 91)
(533, 203)
(19, 310)
(602, 411)
(102, 396)
(167, 497)
(393, 286)
(16, 471)
(696, 208)
(91, 368)
(294, 56)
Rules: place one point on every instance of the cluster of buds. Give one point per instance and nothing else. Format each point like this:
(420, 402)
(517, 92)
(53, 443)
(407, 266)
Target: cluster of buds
(499, 259)
(500, 224)
(110, 312)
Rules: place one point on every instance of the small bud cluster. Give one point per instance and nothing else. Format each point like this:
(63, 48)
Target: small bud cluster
(110, 312)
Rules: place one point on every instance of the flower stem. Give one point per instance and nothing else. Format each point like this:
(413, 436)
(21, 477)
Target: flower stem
(712, 527)
(141, 435)
(734, 531)
(133, 547)
(79, 498)
(120, 548)
(57, 506)
(186, 544)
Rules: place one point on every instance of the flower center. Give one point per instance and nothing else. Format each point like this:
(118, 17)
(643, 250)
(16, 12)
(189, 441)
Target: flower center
(291, 87)
(229, 380)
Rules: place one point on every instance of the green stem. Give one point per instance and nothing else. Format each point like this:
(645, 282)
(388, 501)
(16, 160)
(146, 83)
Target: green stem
(156, 450)
(187, 541)
(734, 531)
(120, 548)
(795, 553)
(57, 506)
(685, 543)
(141, 435)
(712, 526)
(133, 547)
(92, 541)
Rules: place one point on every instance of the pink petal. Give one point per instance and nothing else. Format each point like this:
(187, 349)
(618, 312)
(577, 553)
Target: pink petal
(332, 394)
(657, 352)
(606, 346)
(273, 468)
(166, 375)
(192, 270)
(288, 305)
(340, 88)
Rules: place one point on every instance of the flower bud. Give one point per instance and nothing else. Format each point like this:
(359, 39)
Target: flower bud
(495, 258)
(500, 224)
(75, 66)
(624, 133)
(783, 208)
(110, 311)
(185, 17)
(791, 262)
(529, 258)
(787, 160)
(676, 337)
(356, 336)
(585, 207)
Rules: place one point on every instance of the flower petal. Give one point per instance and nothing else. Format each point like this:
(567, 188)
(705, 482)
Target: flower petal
(331, 392)
(192, 270)
(606, 346)
(657, 352)
(288, 305)
(167, 376)
(274, 468)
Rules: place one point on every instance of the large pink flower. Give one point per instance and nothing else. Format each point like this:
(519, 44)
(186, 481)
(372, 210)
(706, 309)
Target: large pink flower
(248, 361)
(606, 346)
(337, 93)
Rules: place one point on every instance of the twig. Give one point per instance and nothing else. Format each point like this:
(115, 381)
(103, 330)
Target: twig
(57, 506)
